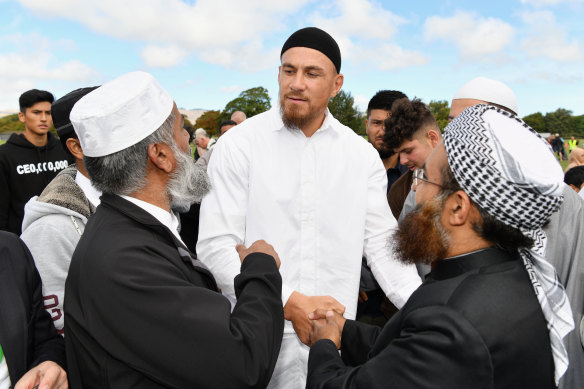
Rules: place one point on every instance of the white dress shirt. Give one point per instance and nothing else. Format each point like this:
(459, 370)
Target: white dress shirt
(320, 201)
(168, 219)
(91, 193)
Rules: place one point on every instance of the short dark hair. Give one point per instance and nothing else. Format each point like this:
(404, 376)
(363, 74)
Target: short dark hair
(489, 228)
(227, 123)
(384, 99)
(407, 117)
(575, 176)
(33, 96)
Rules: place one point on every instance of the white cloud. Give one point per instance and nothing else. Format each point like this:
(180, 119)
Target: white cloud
(20, 72)
(231, 89)
(213, 29)
(546, 38)
(363, 29)
(361, 102)
(163, 57)
(544, 3)
(474, 36)
(360, 18)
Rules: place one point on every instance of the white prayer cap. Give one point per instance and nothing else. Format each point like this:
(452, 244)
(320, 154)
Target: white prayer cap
(490, 91)
(120, 113)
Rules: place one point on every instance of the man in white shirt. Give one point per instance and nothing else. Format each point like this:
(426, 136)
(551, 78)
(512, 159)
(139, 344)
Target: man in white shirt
(314, 189)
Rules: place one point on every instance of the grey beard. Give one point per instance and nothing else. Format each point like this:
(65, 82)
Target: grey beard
(188, 184)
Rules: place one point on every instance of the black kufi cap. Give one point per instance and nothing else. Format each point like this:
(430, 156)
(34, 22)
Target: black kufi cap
(61, 109)
(317, 39)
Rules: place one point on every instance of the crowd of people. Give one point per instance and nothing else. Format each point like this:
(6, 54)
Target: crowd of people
(292, 253)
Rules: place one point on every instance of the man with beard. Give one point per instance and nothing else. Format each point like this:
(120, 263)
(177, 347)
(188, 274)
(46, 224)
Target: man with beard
(140, 311)
(565, 229)
(491, 314)
(378, 110)
(373, 306)
(314, 189)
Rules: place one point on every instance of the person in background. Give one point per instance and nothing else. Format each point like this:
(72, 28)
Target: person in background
(55, 220)
(238, 117)
(574, 177)
(28, 161)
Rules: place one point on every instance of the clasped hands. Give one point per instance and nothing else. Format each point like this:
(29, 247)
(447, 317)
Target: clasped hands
(315, 318)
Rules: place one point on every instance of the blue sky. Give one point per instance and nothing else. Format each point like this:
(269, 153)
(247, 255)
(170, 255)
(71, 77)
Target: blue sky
(206, 52)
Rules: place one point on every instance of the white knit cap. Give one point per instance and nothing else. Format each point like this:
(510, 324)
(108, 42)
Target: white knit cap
(490, 91)
(120, 113)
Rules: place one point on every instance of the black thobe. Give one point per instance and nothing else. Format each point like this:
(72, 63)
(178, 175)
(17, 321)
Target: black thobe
(474, 323)
(140, 314)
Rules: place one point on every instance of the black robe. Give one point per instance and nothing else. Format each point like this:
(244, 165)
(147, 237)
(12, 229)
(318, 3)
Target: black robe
(140, 314)
(474, 323)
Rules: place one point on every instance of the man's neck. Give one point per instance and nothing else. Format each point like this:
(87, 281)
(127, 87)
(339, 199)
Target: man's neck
(311, 127)
(36, 139)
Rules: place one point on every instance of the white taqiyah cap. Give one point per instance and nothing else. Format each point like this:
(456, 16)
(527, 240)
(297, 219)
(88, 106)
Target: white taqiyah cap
(490, 91)
(120, 113)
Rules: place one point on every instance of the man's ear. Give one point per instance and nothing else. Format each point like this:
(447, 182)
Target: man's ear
(434, 137)
(161, 156)
(458, 208)
(21, 116)
(339, 78)
(74, 147)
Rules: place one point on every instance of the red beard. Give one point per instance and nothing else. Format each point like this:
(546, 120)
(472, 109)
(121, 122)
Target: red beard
(420, 237)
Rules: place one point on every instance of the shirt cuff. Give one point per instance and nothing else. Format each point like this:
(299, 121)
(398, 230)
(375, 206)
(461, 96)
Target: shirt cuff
(286, 292)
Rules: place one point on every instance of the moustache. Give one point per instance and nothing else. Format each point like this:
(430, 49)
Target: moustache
(296, 96)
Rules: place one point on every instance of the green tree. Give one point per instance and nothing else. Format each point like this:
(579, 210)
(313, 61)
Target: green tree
(251, 102)
(578, 125)
(209, 121)
(536, 121)
(440, 110)
(559, 121)
(342, 107)
(11, 123)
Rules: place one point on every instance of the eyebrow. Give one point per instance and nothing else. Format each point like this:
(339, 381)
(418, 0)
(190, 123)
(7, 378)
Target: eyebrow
(307, 68)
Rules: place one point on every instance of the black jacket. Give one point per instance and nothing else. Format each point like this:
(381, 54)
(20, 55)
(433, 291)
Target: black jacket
(25, 170)
(474, 323)
(27, 334)
(139, 313)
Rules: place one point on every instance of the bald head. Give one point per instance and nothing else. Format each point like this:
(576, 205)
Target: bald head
(238, 117)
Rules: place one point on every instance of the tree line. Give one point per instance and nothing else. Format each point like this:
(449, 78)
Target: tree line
(257, 100)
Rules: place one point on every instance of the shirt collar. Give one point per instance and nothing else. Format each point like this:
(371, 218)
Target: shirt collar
(168, 219)
(89, 190)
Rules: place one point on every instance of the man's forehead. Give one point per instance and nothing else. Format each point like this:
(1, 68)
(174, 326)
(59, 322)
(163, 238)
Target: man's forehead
(306, 57)
(379, 113)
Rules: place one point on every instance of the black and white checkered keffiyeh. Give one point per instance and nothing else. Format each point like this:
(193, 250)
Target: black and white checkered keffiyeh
(511, 172)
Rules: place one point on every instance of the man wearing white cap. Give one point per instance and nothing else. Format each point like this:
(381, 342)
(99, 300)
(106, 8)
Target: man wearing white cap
(141, 312)
(298, 178)
(565, 229)
(491, 314)
(483, 90)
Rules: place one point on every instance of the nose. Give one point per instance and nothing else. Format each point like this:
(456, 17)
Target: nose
(403, 159)
(44, 116)
(298, 82)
